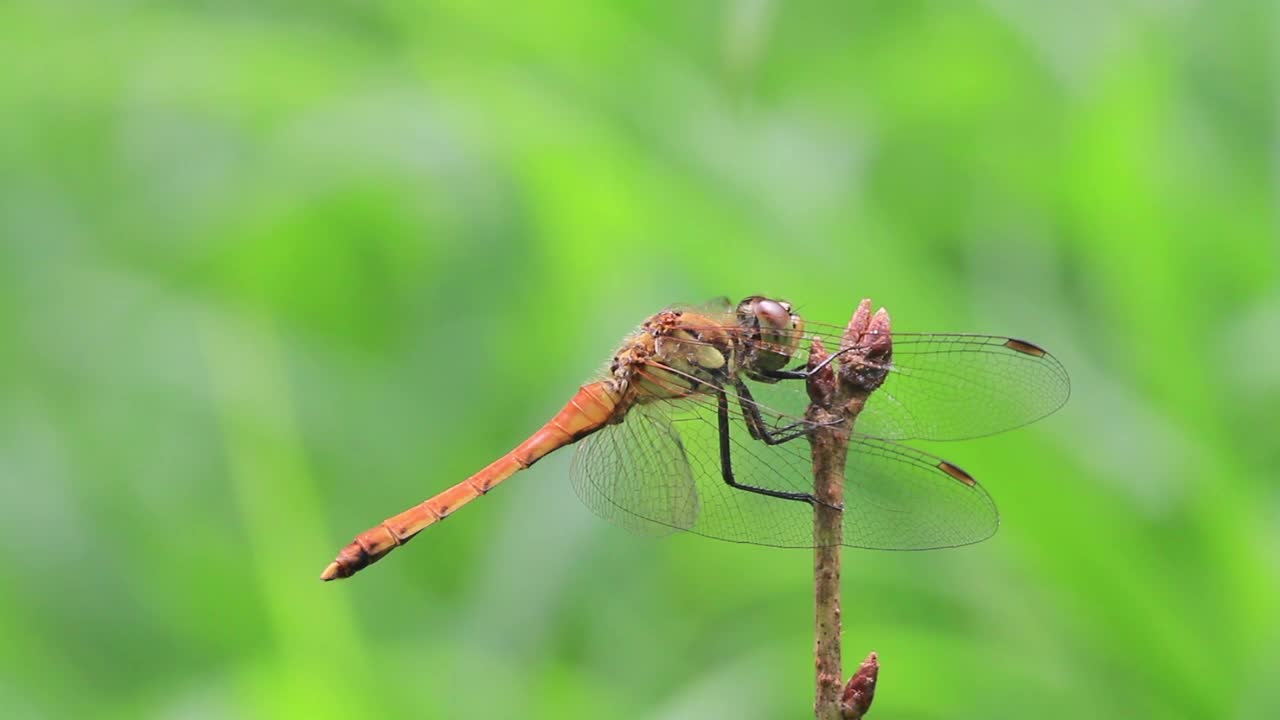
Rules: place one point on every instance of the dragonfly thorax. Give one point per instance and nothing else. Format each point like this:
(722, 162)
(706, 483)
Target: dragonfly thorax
(675, 354)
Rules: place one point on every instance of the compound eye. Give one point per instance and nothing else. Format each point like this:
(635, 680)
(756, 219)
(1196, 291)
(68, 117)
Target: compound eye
(773, 314)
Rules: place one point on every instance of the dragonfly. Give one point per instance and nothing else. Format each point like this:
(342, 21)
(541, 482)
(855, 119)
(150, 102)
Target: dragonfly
(698, 425)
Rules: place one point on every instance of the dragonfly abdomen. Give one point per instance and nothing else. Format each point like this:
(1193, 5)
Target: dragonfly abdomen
(590, 409)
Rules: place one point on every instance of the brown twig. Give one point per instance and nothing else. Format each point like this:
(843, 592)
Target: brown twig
(837, 393)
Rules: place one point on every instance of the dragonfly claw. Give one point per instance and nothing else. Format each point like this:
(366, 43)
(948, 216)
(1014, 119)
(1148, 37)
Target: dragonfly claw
(814, 501)
(798, 374)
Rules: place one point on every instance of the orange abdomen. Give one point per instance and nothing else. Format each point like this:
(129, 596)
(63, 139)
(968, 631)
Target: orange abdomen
(590, 409)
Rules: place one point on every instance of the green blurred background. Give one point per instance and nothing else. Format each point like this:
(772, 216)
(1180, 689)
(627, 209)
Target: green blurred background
(272, 271)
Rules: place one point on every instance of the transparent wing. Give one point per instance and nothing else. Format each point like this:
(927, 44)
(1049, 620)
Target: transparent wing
(895, 497)
(943, 387)
(637, 475)
(954, 387)
(899, 498)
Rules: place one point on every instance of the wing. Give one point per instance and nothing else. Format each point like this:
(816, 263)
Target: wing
(941, 386)
(637, 475)
(954, 387)
(899, 498)
(895, 497)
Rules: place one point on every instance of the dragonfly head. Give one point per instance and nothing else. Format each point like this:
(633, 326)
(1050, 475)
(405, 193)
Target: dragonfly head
(774, 329)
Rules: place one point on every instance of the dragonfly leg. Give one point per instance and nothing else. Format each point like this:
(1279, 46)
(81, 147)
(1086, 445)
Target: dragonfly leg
(758, 428)
(804, 372)
(786, 374)
(750, 413)
(726, 464)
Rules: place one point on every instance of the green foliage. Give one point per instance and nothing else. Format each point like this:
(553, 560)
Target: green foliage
(272, 271)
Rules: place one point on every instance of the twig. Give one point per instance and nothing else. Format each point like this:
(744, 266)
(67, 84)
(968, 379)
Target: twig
(829, 444)
(837, 395)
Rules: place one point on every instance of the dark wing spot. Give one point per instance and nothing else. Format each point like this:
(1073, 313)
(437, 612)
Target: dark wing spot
(956, 473)
(1025, 347)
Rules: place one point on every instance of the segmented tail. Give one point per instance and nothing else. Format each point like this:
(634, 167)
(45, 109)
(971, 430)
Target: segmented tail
(590, 409)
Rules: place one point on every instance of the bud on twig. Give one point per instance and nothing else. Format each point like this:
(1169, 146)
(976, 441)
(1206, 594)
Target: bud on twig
(861, 690)
(822, 381)
(867, 348)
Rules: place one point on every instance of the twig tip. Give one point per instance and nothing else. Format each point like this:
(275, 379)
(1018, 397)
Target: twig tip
(861, 689)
